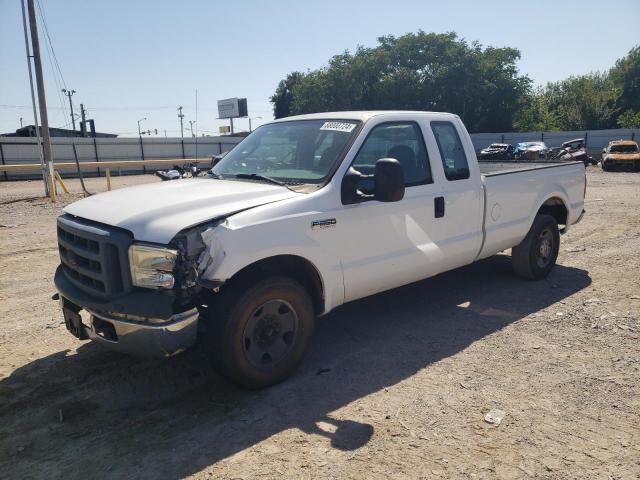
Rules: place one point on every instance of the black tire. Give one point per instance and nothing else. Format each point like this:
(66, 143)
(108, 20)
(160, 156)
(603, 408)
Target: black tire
(536, 255)
(259, 333)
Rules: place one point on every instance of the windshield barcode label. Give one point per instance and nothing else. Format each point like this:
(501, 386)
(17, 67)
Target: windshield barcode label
(338, 126)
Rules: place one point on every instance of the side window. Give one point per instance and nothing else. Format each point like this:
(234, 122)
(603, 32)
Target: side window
(454, 159)
(402, 141)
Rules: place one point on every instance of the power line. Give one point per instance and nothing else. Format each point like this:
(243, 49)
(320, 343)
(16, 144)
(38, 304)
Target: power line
(51, 55)
(46, 30)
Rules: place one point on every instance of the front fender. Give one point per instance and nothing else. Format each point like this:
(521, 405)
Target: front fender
(229, 250)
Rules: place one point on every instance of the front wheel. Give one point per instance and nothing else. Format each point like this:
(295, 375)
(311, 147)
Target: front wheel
(260, 333)
(536, 255)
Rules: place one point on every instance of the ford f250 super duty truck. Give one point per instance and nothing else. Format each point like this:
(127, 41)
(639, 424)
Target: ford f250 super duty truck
(305, 214)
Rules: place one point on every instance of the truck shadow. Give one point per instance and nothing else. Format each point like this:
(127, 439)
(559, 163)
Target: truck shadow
(98, 413)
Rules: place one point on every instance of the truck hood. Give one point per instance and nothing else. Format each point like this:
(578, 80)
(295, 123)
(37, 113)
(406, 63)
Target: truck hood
(156, 212)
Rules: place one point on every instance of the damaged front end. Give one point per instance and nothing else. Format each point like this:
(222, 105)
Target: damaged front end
(138, 298)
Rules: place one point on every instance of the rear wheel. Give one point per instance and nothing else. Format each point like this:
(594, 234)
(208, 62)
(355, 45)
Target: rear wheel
(536, 255)
(260, 332)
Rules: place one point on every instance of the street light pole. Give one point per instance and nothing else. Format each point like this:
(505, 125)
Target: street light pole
(191, 122)
(181, 116)
(68, 93)
(255, 118)
(139, 132)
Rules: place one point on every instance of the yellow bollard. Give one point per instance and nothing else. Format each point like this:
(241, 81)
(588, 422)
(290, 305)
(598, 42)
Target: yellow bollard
(107, 174)
(59, 179)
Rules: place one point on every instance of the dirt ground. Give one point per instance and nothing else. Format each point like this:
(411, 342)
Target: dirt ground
(395, 386)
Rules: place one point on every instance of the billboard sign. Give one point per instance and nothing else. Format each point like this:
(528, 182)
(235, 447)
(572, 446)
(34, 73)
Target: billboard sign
(232, 108)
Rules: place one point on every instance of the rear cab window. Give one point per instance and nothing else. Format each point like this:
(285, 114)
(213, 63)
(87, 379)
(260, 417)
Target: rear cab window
(454, 160)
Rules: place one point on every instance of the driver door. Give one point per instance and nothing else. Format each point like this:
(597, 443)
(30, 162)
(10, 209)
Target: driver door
(385, 245)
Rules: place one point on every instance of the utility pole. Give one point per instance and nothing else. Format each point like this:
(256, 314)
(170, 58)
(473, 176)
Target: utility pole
(20, 122)
(68, 93)
(181, 116)
(42, 101)
(191, 122)
(83, 119)
(43, 165)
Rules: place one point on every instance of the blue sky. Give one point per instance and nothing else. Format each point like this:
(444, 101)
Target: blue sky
(133, 59)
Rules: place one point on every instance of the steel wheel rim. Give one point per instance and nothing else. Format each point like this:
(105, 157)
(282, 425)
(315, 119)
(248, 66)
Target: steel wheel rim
(545, 248)
(270, 333)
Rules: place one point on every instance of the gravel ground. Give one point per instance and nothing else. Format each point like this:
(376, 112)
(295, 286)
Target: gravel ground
(395, 386)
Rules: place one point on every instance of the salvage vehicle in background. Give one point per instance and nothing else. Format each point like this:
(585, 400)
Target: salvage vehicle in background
(573, 150)
(187, 170)
(305, 214)
(531, 151)
(497, 151)
(621, 155)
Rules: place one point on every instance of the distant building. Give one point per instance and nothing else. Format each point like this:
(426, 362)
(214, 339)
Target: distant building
(30, 131)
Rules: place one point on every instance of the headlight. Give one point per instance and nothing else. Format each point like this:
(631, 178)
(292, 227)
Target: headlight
(152, 267)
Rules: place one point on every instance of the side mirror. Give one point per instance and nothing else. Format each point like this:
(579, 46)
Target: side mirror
(389, 180)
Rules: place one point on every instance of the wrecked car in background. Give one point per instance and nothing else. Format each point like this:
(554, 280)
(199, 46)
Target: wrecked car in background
(621, 155)
(497, 151)
(573, 150)
(531, 151)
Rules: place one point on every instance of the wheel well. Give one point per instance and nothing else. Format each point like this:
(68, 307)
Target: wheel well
(292, 266)
(555, 207)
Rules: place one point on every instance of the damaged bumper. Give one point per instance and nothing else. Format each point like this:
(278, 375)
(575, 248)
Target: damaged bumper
(142, 323)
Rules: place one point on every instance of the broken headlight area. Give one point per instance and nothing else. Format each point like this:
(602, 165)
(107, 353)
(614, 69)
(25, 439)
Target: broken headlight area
(197, 248)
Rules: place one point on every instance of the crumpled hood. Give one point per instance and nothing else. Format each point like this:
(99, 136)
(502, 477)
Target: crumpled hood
(157, 211)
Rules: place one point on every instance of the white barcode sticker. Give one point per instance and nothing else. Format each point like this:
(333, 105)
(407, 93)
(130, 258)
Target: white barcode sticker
(338, 126)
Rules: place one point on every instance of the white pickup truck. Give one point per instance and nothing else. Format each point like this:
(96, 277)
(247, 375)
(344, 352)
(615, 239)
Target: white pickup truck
(305, 214)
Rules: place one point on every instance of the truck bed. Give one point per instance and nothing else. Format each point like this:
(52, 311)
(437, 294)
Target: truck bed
(493, 168)
(514, 191)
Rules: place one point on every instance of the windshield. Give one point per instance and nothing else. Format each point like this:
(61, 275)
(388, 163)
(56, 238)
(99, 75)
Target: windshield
(295, 152)
(623, 148)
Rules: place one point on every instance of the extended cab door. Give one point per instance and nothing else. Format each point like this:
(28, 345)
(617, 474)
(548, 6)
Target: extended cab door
(457, 174)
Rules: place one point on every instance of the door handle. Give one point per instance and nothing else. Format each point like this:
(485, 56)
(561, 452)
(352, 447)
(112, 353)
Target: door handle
(438, 207)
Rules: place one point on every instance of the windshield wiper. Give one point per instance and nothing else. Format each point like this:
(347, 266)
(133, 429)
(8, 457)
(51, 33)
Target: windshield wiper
(257, 176)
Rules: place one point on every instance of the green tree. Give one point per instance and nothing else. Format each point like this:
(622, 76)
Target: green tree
(629, 119)
(585, 102)
(416, 71)
(625, 79)
(535, 115)
(283, 96)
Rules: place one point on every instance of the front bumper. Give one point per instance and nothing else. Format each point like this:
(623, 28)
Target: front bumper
(626, 165)
(142, 323)
(144, 339)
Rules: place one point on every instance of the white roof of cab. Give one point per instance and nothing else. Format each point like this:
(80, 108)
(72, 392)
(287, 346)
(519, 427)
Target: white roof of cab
(357, 115)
